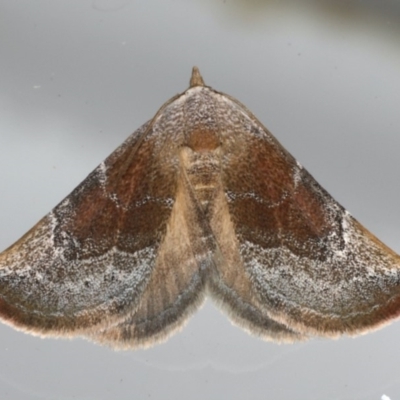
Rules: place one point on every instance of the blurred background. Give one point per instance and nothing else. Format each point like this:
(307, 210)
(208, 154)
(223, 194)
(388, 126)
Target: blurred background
(78, 76)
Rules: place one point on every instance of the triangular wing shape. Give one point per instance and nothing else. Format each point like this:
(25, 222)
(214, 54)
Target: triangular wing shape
(201, 198)
(112, 248)
(311, 266)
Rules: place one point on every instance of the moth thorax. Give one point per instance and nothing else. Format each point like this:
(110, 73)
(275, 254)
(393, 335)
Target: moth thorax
(202, 170)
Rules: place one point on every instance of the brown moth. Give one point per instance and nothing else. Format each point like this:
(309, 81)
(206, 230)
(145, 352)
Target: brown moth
(200, 200)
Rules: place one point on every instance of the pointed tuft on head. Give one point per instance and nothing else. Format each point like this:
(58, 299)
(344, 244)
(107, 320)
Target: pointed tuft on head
(196, 79)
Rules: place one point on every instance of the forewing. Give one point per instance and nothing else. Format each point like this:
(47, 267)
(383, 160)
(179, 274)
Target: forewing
(87, 262)
(310, 265)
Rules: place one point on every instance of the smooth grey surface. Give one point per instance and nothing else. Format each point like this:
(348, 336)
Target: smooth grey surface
(77, 77)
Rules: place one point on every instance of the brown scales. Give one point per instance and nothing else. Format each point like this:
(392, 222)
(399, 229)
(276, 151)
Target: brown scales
(200, 200)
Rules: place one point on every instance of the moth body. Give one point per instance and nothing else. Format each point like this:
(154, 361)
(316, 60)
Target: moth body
(201, 200)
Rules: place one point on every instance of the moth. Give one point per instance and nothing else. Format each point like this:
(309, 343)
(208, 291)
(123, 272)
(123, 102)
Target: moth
(201, 200)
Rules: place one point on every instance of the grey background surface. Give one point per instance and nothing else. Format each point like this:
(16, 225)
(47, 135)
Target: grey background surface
(78, 76)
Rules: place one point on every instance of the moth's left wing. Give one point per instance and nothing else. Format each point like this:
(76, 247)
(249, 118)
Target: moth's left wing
(87, 262)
